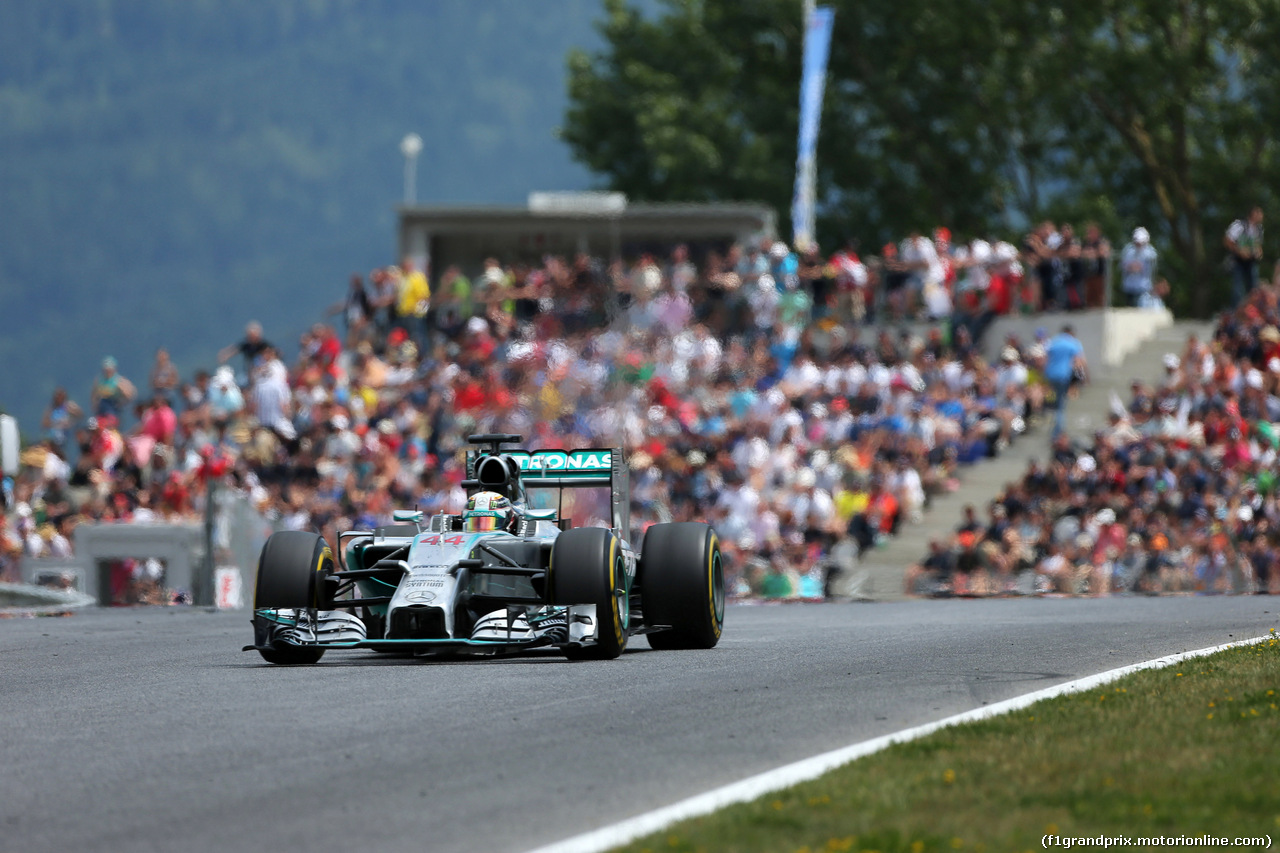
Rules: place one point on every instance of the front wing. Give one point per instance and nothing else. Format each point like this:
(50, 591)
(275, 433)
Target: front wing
(563, 627)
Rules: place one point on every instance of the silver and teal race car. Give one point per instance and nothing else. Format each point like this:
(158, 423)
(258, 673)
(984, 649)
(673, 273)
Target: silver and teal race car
(532, 561)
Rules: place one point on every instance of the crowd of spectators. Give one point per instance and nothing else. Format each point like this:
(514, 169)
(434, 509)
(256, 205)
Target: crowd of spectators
(1053, 269)
(748, 390)
(1177, 494)
(754, 390)
(933, 278)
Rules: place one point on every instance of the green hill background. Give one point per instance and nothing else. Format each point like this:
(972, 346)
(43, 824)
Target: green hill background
(169, 171)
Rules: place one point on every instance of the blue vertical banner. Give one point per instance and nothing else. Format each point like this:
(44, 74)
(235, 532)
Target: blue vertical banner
(813, 81)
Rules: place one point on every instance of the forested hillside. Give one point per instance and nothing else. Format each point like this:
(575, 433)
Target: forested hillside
(171, 170)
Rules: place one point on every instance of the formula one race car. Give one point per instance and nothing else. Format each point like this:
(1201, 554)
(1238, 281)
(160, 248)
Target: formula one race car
(502, 576)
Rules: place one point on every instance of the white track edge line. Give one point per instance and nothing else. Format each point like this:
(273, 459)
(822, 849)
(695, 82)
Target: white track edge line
(745, 790)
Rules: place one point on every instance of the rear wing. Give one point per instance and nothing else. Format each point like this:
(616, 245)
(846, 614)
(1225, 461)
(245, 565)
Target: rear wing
(592, 467)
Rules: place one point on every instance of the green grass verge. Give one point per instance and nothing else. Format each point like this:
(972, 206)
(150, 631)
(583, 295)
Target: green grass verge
(1184, 750)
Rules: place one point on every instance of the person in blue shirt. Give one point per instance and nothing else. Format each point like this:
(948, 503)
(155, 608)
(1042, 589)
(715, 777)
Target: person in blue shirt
(783, 265)
(1064, 356)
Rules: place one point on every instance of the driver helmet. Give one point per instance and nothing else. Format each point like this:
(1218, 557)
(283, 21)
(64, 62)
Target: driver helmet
(486, 511)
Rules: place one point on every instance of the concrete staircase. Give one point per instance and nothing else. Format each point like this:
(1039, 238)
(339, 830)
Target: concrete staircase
(879, 574)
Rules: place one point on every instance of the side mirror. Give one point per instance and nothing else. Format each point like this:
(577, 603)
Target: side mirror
(410, 516)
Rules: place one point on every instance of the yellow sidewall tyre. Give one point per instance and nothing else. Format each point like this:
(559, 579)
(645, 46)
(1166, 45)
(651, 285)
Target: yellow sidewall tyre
(681, 579)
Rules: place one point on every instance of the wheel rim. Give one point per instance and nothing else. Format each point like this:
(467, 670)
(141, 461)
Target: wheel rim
(620, 596)
(717, 586)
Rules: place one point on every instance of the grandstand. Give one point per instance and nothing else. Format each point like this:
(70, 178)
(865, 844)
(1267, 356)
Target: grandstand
(753, 387)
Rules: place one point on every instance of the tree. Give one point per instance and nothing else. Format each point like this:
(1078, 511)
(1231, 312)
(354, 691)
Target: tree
(1185, 91)
(981, 115)
(697, 106)
(940, 116)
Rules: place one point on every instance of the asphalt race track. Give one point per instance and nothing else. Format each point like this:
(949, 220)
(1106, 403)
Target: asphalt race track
(132, 730)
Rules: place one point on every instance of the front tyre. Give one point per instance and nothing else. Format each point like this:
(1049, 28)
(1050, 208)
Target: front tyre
(286, 654)
(587, 567)
(291, 573)
(682, 585)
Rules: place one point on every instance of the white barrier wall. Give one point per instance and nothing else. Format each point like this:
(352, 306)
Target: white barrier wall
(1108, 336)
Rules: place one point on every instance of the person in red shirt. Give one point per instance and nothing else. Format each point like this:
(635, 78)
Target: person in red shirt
(883, 507)
(478, 343)
(1269, 337)
(160, 422)
(852, 280)
(469, 396)
(999, 293)
(1005, 278)
(946, 256)
(328, 348)
(496, 396)
(1237, 453)
(105, 442)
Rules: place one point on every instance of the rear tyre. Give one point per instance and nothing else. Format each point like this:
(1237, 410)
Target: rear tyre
(682, 585)
(587, 567)
(291, 574)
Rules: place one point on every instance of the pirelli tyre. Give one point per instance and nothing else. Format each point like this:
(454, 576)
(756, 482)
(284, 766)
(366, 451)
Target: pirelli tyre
(588, 567)
(291, 576)
(681, 579)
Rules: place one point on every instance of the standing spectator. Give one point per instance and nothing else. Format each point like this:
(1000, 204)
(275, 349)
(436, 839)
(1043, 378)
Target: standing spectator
(972, 279)
(1138, 268)
(1244, 241)
(492, 285)
(896, 283)
(270, 399)
(1095, 254)
(159, 423)
(674, 310)
(382, 302)
(1003, 277)
(251, 347)
(195, 394)
(164, 376)
(722, 289)
(784, 266)
(413, 303)
(681, 271)
(59, 419)
(1071, 260)
(323, 349)
(1042, 255)
(106, 445)
(357, 312)
(924, 270)
(815, 281)
(754, 264)
(795, 306)
(851, 284)
(225, 399)
(453, 308)
(111, 390)
(938, 289)
(763, 301)
(1064, 357)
